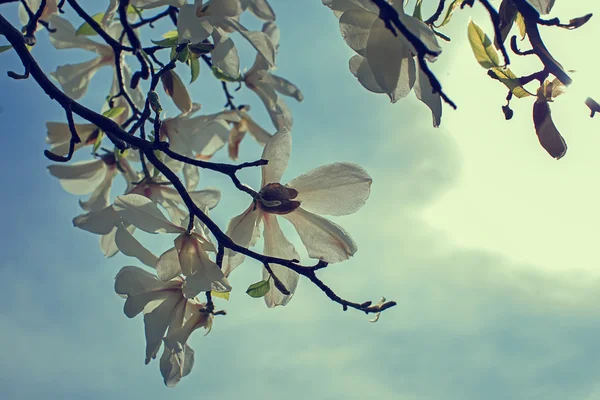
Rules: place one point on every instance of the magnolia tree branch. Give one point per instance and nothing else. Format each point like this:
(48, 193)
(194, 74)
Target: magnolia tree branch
(123, 140)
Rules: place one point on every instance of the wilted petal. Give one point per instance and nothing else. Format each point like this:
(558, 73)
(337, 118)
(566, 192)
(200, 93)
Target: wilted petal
(277, 152)
(243, 230)
(174, 87)
(144, 214)
(323, 239)
(424, 92)
(81, 177)
(549, 137)
(334, 189)
(276, 245)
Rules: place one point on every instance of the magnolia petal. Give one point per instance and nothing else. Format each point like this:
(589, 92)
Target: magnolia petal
(157, 321)
(323, 239)
(74, 79)
(99, 222)
(340, 6)
(257, 132)
(63, 36)
(243, 230)
(277, 152)
(144, 214)
(276, 245)
(191, 175)
(261, 9)
(208, 197)
(100, 197)
(81, 177)
(148, 4)
(190, 28)
(424, 92)
(59, 136)
(283, 86)
(167, 266)
(225, 57)
(208, 276)
(133, 281)
(359, 66)
(259, 40)
(175, 363)
(355, 26)
(406, 81)
(272, 31)
(334, 189)
(420, 30)
(129, 246)
(107, 243)
(211, 138)
(542, 6)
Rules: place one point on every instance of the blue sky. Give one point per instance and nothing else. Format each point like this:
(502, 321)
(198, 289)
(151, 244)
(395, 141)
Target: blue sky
(487, 244)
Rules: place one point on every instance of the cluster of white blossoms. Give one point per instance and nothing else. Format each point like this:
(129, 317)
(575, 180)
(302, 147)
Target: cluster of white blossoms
(167, 293)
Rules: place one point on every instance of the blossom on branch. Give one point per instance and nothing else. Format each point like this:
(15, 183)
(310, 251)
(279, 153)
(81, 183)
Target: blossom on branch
(335, 189)
(169, 317)
(385, 63)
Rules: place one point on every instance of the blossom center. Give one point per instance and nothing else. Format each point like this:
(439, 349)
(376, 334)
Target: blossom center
(274, 198)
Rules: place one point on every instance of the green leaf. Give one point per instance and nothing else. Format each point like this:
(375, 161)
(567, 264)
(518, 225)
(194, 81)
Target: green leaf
(114, 112)
(86, 29)
(183, 55)
(510, 80)
(169, 42)
(134, 10)
(98, 141)
(258, 289)
(173, 54)
(171, 34)
(194, 68)
(221, 295)
(218, 73)
(417, 12)
(453, 6)
(482, 46)
(5, 48)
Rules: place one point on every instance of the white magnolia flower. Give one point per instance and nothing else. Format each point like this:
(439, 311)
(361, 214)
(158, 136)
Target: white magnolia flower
(95, 177)
(187, 257)
(239, 130)
(198, 136)
(34, 5)
(334, 189)
(266, 85)
(166, 310)
(75, 78)
(386, 63)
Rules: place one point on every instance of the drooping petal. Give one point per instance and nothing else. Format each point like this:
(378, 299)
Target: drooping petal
(542, 6)
(261, 136)
(334, 189)
(424, 92)
(191, 175)
(74, 79)
(175, 363)
(175, 88)
(277, 152)
(80, 177)
(323, 239)
(59, 136)
(261, 9)
(107, 243)
(360, 68)
(63, 36)
(208, 276)
(283, 86)
(243, 230)
(100, 196)
(259, 40)
(355, 26)
(276, 245)
(157, 320)
(99, 222)
(547, 133)
(130, 246)
(144, 214)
